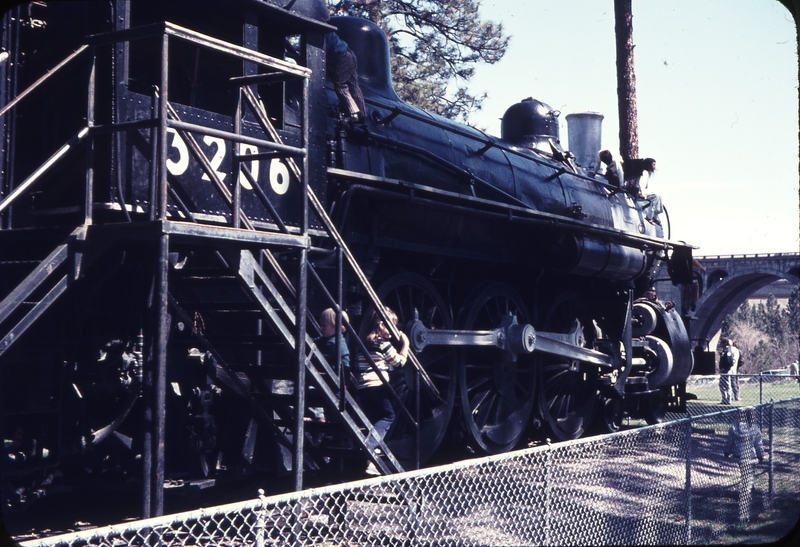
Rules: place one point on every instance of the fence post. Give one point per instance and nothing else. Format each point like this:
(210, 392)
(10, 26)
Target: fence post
(689, 482)
(414, 500)
(261, 519)
(547, 540)
(296, 522)
(771, 471)
(760, 389)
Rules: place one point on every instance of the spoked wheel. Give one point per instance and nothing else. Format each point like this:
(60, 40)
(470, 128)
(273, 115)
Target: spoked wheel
(496, 394)
(567, 394)
(404, 293)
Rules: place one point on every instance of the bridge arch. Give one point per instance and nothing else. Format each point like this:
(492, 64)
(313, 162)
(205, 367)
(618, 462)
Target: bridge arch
(730, 281)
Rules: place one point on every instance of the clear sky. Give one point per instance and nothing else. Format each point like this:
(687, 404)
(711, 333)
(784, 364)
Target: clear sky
(716, 84)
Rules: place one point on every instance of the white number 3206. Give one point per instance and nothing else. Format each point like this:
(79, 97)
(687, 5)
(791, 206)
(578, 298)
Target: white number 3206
(278, 171)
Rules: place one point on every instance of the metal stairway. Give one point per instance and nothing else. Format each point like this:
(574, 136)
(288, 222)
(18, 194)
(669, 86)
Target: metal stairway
(257, 274)
(244, 287)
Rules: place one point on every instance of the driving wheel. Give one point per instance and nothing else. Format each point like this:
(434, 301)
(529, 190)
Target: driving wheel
(496, 393)
(567, 391)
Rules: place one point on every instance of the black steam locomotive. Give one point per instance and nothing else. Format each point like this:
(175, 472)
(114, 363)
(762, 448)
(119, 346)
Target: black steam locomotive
(182, 195)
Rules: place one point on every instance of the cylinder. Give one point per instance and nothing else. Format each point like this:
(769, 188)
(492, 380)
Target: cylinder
(585, 131)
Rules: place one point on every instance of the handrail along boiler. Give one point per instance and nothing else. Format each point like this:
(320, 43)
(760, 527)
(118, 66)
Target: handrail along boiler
(183, 194)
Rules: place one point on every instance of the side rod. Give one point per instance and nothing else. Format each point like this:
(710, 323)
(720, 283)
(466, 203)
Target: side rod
(511, 337)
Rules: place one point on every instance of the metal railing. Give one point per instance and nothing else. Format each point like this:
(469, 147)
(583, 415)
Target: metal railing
(165, 203)
(664, 484)
(752, 255)
(161, 119)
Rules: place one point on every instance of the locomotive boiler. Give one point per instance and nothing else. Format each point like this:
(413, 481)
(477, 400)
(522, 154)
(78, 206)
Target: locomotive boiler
(182, 195)
(420, 196)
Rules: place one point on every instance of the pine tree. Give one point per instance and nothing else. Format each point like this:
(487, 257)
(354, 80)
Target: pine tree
(728, 325)
(793, 324)
(745, 314)
(793, 310)
(435, 46)
(761, 357)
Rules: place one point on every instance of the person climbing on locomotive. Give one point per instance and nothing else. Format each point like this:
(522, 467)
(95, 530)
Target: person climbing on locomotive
(613, 172)
(651, 295)
(343, 72)
(635, 170)
(639, 182)
(326, 342)
(373, 394)
(728, 361)
(692, 292)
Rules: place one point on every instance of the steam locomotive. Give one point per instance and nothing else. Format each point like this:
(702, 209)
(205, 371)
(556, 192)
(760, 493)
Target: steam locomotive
(182, 194)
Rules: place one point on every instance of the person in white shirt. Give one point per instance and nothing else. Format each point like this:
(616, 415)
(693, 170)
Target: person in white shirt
(613, 172)
(639, 182)
(373, 394)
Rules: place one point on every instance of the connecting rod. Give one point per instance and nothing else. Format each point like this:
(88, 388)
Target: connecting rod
(511, 337)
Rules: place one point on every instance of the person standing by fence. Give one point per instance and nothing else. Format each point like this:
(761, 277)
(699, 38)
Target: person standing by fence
(728, 360)
(745, 443)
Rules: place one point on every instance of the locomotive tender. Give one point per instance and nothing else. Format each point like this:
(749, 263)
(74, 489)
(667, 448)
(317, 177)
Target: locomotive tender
(181, 195)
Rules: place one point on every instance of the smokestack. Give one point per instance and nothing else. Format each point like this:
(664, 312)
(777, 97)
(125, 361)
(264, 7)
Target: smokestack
(585, 130)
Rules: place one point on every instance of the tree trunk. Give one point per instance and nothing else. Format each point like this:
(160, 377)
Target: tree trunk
(626, 81)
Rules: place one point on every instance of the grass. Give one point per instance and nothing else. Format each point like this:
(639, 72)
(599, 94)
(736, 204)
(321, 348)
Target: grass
(749, 391)
(779, 524)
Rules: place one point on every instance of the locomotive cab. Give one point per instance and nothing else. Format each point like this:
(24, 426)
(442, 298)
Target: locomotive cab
(203, 81)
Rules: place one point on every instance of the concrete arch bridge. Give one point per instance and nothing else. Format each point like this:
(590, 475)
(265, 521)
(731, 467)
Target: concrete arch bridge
(728, 281)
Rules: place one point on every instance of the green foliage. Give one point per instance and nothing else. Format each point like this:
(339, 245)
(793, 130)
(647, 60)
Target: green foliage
(766, 334)
(727, 326)
(794, 310)
(761, 357)
(435, 46)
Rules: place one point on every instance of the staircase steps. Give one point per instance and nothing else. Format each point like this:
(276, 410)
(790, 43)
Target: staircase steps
(23, 250)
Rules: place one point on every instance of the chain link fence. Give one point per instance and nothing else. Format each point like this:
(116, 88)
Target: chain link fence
(753, 389)
(664, 484)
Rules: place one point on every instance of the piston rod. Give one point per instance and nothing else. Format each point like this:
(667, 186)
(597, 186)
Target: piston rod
(511, 337)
